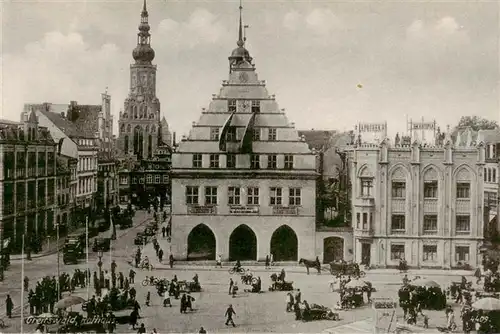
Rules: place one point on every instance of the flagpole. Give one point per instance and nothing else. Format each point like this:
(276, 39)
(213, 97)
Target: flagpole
(87, 250)
(22, 287)
(58, 266)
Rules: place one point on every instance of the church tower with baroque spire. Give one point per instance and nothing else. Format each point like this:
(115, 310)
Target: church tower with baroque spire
(243, 181)
(139, 122)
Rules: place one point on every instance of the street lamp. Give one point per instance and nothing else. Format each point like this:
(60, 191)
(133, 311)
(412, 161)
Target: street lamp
(2, 261)
(58, 263)
(99, 264)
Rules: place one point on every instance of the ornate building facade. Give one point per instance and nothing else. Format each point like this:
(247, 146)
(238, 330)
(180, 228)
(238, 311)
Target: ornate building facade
(421, 203)
(243, 182)
(139, 124)
(28, 181)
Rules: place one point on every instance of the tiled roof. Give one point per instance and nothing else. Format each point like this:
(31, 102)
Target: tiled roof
(62, 123)
(317, 138)
(489, 136)
(88, 119)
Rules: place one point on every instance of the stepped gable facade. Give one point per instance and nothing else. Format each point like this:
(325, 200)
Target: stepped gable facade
(243, 182)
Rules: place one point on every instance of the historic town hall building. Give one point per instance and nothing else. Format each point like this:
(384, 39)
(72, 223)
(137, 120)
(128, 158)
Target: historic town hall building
(243, 182)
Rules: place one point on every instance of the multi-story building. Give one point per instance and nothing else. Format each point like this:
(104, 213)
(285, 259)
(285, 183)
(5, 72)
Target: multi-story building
(66, 190)
(243, 182)
(148, 180)
(491, 140)
(421, 203)
(107, 181)
(28, 180)
(73, 128)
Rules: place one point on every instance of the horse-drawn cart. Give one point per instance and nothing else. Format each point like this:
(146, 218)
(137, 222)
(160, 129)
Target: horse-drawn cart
(319, 312)
(279, 285)
(189, 286)
(348, 269)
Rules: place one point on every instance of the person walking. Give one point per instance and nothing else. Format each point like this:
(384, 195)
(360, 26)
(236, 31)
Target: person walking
(202, 331)
(164, 231)
(231, 283)
(267, 261)
(229, 315)
(9, 306)
(160, 255)
(171, 261)
(218, 262)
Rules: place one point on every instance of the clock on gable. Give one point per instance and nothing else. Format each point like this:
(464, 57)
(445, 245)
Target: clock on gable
(243, 77)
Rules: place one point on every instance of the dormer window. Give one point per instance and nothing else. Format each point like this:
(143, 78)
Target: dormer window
(231, 106)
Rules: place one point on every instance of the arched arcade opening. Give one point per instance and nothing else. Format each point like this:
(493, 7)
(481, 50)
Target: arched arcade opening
(243, 244)
(333, 249)
(201, 243)
(284, 244)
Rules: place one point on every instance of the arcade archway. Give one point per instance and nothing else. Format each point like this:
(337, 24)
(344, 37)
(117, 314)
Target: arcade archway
(284, 244)
(243, 244)
(201, 243)
(333, 249)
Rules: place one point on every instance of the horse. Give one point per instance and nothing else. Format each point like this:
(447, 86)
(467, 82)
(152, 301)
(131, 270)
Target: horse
(311, 264)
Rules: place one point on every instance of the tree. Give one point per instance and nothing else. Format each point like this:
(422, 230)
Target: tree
(476, 123)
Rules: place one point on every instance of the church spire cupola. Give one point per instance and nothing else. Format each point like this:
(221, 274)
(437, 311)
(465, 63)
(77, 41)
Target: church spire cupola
(240, 54)
(143, 53)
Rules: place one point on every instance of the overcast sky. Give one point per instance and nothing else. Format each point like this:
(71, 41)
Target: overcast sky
(432, 60)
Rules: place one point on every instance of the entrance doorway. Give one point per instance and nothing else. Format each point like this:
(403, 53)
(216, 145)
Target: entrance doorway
(284, 244)
(201, 243)
(333, 249)
(366, 253)
(243, 244)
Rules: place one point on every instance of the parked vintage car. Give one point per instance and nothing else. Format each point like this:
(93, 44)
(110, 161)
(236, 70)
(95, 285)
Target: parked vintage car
(140, 239)
(101, 244)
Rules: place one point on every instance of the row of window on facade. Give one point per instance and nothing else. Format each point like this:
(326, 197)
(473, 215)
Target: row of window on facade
(86, 142)
(398, 223)
(243, 196)
(232, 134)
(149, 179)
(430, 253)
(87, 164)
(17, 166)
(86, 185)
(28, 195)
(398, 189)
(138, 128)
(233, 103)
(490, 175)
(272, 161)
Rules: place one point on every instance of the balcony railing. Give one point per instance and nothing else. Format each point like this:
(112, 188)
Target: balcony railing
(398, 231)
(244, 210)
(202, 210)
(20, 173)
(31, 172)
(50, 199)
(31, 204)
(365, 201)
(41, 201)
(285, 211)
(463, 206)
(21, 206)
(41, 171)
(430, 205)
(365, 232)
(8, 208)
(429, 232)
(398, 205)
